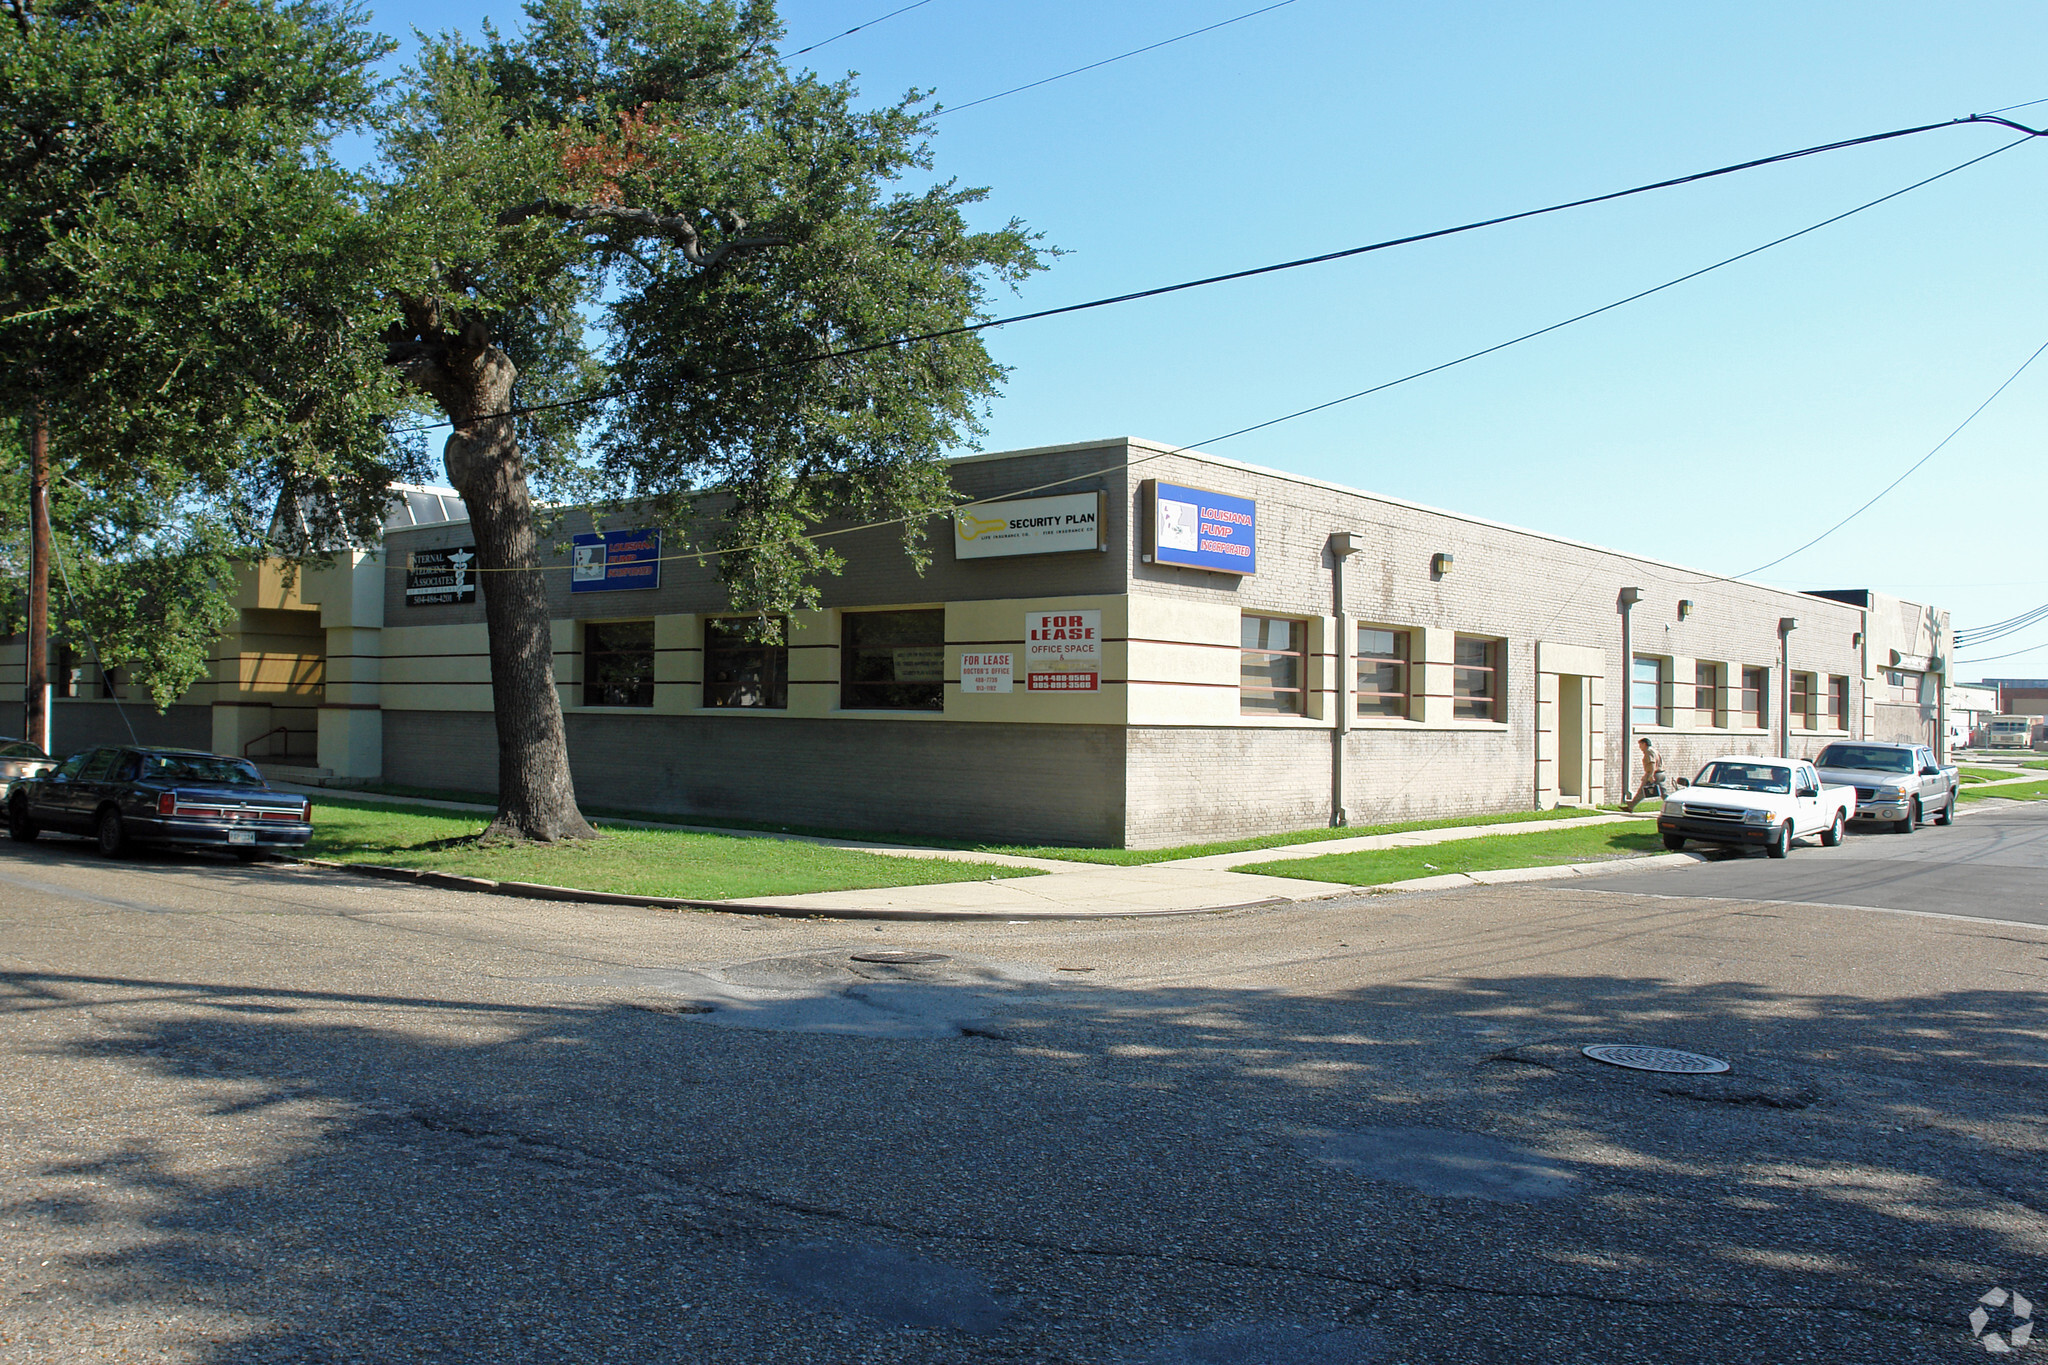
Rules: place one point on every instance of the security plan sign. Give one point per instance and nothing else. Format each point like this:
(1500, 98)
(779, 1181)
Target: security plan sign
(1062, 651)
(1030, 526)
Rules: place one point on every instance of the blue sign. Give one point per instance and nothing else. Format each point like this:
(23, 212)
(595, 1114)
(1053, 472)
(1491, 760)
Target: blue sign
(616, 561)
(1201, 529)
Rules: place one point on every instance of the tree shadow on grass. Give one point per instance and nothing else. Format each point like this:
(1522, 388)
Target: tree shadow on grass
(335, 1176)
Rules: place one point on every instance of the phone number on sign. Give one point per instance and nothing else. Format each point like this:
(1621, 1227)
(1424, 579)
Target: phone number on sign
(1062, 682)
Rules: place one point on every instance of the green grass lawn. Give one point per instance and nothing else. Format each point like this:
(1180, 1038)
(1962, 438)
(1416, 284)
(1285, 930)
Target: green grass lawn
(1974, 774)
(639, 862)
(1110, 857)
(1543, 848)
(2023, 791)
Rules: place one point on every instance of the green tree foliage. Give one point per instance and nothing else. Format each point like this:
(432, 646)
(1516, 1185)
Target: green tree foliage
(186, 288)
(635, 199)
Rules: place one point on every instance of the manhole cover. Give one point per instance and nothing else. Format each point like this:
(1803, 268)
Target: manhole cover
(900, 957)
(1654, 1058)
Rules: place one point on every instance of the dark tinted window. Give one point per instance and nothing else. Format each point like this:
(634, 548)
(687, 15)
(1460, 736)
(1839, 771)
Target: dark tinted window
(212, 769)
(1866, 756)
(99, 765)
(129, 768)
(73, 764)
(743, 672)
(618, 663)
(893, 661)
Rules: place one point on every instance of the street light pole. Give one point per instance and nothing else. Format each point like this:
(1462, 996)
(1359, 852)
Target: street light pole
(36, 673)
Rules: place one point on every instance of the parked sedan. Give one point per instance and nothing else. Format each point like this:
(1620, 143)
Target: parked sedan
(124, 795)
(19, 759)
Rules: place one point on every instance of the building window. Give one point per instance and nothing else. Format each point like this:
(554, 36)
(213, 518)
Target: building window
(1803, 700)
(1476, 678)
(1756, 698)
(1273, 667)
(1646, 691)
(1706, 695)
(618, 663)
(893, 661)
(1382, 672)
(1838, 703)
(743, 672)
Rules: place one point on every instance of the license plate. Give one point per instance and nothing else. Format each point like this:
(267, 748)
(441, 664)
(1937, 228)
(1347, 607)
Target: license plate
(241, 836)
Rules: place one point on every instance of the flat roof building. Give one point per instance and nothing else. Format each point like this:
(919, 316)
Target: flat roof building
(1119, 643)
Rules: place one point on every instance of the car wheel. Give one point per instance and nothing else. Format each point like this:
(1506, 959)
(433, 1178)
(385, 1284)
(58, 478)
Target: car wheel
(1674, 842)
(1780, 845)
(1948, 811)
(1907, 825)
(1832, 837)
(111, 832)
(19, 826)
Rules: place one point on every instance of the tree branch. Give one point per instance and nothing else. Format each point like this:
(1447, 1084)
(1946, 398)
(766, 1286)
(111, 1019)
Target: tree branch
(644, 223)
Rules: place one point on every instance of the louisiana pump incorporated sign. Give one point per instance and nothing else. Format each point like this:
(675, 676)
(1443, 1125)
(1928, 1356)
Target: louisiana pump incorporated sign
(1199, 528)
(1030, 526)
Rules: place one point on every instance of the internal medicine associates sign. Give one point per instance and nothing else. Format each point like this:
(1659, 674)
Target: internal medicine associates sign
(1201, 529)
(434, 577)
(616, 561)
(1062, 651)
(1030, 526)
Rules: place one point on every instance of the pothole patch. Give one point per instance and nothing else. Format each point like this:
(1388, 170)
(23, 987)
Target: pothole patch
(1444, 1163)
(881, 1283)
(1267, 1343)
(899, 959)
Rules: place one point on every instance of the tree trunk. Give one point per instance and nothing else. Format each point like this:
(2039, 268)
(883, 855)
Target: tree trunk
(536, 798)
(36, 674)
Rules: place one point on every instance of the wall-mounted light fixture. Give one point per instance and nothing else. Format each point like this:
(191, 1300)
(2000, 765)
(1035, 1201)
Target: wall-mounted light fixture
(1440, 563)
(1684, 607)
(1856, 640)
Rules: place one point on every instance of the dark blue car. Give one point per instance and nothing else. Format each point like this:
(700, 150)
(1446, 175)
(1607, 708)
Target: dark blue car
(127, 795)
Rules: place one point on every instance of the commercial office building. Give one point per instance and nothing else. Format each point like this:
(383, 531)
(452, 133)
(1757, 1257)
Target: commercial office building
(1128, 644)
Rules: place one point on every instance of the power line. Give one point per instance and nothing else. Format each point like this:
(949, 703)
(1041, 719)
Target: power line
(1915, 465)
(700, 555)
(1994, 658)
(2024, 616)
(1973, 639)
(1134, 52)
(870, 23)
(1323, 259)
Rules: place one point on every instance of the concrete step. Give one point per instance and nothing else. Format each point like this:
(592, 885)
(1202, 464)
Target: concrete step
(287, 772)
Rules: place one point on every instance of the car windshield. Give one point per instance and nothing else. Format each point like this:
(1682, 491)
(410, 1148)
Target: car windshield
(208, 768)
(1746, 777)
(1866, 756)
(20, 748)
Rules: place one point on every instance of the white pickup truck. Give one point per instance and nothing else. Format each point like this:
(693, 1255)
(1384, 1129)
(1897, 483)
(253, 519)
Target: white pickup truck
(1900, 783)
(1740, 802)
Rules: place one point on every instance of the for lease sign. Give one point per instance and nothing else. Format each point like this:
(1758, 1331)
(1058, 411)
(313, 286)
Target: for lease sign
(1062, 651)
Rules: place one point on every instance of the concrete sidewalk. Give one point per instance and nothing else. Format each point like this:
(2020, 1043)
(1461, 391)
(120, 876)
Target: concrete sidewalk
(1076, 890)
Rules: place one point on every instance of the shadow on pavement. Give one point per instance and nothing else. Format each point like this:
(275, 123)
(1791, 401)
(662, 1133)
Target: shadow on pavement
(1103, 1174)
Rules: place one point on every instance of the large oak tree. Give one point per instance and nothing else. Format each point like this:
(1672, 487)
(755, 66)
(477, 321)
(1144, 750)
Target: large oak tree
(622, 244)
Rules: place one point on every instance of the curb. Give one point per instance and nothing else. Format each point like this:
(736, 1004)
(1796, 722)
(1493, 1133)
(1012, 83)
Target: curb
(541, 891)
(1504, 876)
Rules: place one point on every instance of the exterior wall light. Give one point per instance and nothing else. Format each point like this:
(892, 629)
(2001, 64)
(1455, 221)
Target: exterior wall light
(1684, 607)
(1440, 563)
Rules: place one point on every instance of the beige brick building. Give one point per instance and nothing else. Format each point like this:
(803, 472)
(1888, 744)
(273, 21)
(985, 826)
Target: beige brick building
(1469, 667)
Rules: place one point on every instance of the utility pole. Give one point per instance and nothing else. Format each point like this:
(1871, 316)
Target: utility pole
(36, 673)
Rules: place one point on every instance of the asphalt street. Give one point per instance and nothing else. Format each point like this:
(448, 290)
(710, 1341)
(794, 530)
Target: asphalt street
(272, 1114)
(1992, 863)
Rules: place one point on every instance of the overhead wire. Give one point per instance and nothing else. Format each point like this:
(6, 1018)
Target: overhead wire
(1911, 469)
(1106, 61)
(1994, 658)
(2028, 615)
(868, 23)
(1323, 258)
(700, 555)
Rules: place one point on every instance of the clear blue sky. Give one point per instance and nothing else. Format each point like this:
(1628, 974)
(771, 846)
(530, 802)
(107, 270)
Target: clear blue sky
(1718, 424)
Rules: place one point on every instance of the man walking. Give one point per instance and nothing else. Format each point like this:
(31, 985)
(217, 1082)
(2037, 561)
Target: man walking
(1653, 776)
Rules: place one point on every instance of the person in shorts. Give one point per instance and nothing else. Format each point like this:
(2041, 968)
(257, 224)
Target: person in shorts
(1653, 777)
